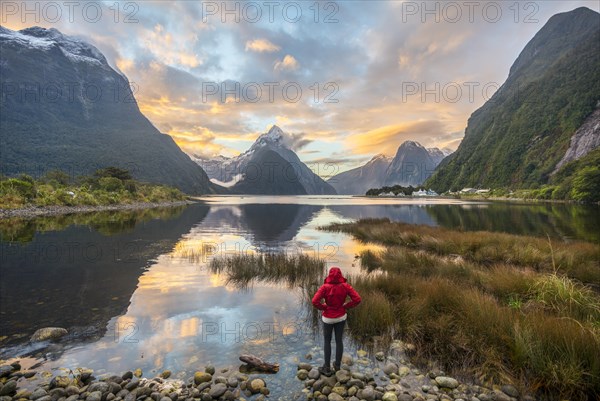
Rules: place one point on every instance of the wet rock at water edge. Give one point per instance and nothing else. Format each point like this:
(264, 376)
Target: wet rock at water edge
(8, 388)
(256, 385)
(335, 397)
(390, 368)
(202, 377)
(305, 366)
(98, 386)
(302, 374)
(48, 333)
(38, 393)
(5, 370)
(342, 376)
(368, 393)
(217, 390)
(210, 369)
(389, 396)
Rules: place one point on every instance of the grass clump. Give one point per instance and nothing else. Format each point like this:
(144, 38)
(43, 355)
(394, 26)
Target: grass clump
(567, 298)
(375, 317)
(580, 260)
(502, 307)
(296, 270)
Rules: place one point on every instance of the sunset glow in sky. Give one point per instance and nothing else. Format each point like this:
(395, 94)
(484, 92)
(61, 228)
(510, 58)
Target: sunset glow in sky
(360, 77)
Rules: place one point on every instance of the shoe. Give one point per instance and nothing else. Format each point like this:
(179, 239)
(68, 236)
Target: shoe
(336, 367)
(325, 370)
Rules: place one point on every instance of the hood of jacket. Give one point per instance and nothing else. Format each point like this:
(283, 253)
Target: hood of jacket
(335, 276)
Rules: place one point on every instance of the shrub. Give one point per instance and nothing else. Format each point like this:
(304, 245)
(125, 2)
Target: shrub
(21, 187)
(114, 172)
(586, 185)
(110, 184)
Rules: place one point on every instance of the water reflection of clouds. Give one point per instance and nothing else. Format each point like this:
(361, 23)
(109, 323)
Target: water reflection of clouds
(178, 298)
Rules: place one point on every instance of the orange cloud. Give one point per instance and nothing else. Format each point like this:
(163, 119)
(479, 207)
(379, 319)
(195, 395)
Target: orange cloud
(170, 51)
(261, 45)
(288, 63)
(387, 139)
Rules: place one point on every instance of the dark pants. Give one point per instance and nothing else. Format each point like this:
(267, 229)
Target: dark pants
(339, 345)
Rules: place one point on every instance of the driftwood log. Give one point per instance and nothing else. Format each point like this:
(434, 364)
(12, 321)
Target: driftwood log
(259, 364)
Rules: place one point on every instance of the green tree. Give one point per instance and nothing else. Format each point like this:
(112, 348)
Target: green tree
(59, 176)
(586, 185)
(115, 172)
(110, 184)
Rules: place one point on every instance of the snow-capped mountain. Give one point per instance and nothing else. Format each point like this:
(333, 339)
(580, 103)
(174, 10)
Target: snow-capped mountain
(411, 165)
(51, 120)
(35, 37)
(237, 172)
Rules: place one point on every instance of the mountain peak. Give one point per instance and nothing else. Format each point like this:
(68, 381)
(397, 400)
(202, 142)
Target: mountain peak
(553, 40)
(275, 130)
(46, 39)
(411, 144)
(273, 136)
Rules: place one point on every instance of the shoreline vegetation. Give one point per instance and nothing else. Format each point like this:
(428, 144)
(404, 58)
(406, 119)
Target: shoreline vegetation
(56, 193)
(499, 307)
(542, 195)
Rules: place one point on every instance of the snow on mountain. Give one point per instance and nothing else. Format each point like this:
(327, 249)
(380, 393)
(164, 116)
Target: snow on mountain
(225, 169)
(237, 178)
(47, 39)
(74, 129)
(273, 137)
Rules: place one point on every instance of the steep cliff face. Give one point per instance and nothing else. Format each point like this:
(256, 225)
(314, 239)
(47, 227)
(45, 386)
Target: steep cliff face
(359, 180)
(586, 139)
(64, 107)
(412, 165)
(517, 138)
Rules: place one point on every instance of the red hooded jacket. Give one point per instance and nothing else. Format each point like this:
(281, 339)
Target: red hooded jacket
(334, 292)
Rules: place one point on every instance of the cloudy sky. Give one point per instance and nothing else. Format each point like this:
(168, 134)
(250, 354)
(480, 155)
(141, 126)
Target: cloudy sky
(346, 79)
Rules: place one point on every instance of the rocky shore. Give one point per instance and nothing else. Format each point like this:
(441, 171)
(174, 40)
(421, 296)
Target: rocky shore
(36, 211)
(81, 384)
(396, 384)
(397, 381)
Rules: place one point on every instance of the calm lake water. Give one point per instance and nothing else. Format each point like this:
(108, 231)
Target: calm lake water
(135, 289)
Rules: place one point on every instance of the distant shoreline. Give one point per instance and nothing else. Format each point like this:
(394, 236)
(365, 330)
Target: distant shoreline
(482, 198)
(56, 210)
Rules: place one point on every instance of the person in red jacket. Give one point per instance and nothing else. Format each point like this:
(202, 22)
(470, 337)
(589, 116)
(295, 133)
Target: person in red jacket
(331, 299)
